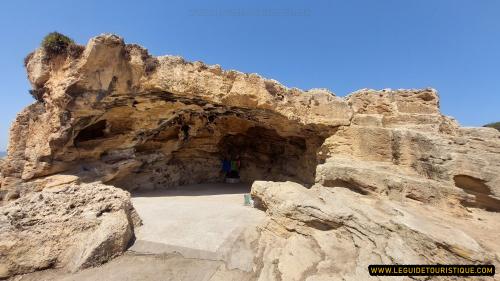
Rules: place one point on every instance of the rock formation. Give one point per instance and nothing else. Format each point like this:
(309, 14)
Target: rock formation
(67, 225)
(375, 177)
(109, 116)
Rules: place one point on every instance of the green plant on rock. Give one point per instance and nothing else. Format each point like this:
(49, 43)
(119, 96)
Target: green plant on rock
(56, 43)
(495, 125)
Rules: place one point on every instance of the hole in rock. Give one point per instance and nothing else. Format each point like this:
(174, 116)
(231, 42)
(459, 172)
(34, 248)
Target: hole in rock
(264, 155)
(481, 192)
(341, 183)
(185, 130)
(92, 132)
(214, 147)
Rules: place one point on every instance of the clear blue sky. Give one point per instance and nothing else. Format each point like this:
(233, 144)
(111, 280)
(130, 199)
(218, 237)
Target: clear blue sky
(451, 45)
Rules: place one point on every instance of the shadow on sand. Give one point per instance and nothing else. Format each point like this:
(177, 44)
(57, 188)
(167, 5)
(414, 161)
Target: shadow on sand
(204, 189)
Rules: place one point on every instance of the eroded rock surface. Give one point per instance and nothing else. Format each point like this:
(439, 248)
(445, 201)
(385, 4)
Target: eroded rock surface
(71, 226)
(393, 180)
(111, 116)
(332, 233)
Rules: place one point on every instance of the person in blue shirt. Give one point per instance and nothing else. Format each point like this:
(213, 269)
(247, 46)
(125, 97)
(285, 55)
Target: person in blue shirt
(226, 167)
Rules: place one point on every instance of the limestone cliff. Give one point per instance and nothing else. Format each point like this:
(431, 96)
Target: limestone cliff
(373, 159)
(110, 115)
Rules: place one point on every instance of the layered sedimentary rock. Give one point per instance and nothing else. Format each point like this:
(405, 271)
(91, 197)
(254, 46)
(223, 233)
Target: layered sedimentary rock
(375, 177)
(118, 115)
(402, 184)
(332, 233)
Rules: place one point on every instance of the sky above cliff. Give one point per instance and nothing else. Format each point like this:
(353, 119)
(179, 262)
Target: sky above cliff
(450, 45)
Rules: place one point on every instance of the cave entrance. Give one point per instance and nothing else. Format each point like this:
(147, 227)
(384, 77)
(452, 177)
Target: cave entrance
(193, 147)
(212, 211)
(262, 154)
(173, 164)
(198, 146)
(204, 195)
(181, 156)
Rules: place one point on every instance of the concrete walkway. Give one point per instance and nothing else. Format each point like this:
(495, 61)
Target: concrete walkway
(197, 221)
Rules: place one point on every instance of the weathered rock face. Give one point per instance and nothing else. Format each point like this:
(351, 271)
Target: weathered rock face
(111, 116)
(393, 180)
(402, 184)
(332, 233)
(391, 150)
(69, 225)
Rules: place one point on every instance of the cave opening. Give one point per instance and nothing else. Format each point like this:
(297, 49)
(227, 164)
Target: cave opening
(171, 160)
(166, 141)
(182, 179)
(263, 154)
(193, 147)
(92, 132)
(479, 190)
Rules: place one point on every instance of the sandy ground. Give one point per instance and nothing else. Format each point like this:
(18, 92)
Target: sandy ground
(187, 234)
(197, 221)
(133, 267)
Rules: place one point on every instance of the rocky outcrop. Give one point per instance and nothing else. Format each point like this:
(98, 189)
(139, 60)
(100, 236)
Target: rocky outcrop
(332, 233)
(429, 162)
(118, 115)
(375, 177)
(401, 185)
(70, 225)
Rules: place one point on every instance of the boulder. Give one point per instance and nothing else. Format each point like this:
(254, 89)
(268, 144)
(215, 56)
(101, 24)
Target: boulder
(73, 226)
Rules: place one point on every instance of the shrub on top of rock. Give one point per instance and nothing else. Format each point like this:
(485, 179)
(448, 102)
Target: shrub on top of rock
(56, 43)
(495, 125)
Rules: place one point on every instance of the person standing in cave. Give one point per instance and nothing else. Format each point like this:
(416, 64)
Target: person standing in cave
(235, 168)
(226, 167)
(231, 168)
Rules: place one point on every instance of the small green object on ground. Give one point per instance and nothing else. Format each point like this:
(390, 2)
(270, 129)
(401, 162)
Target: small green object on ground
(247, 200)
